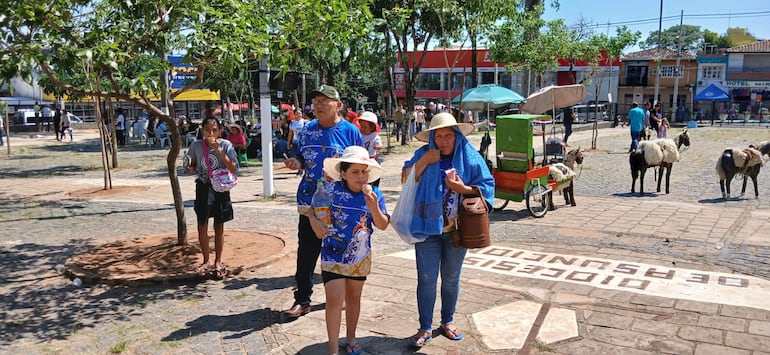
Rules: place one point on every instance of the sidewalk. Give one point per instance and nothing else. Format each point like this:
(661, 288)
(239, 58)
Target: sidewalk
(599, 278)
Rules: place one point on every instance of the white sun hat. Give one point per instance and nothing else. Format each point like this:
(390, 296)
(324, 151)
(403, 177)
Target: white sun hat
(354, 155)
(442, 120)
(369, 117)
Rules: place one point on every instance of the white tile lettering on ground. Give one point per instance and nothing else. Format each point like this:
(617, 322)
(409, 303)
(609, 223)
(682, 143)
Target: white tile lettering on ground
(648, 279)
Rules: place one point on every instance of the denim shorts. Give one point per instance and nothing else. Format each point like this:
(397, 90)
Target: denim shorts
(221, 209)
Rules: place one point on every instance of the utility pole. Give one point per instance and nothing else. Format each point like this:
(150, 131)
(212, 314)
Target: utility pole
(658, 61)
(678, 61)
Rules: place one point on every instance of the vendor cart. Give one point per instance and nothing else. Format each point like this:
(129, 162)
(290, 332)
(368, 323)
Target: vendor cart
(515, 174)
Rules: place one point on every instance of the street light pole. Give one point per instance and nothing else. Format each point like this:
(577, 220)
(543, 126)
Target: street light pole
(678, 62)
(658, 61)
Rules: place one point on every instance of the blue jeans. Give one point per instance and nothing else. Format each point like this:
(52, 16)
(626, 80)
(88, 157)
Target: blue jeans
(433, 255)
(635, 139)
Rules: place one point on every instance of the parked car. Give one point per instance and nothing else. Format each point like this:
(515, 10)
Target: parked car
(26, 117)
(585, 113)
(73, 118)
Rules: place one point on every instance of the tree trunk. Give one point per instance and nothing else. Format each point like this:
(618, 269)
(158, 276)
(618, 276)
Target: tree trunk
(113, 133)
(103, 142)
(176, 190)
(474, 63)
(411, 90)
(526, 81)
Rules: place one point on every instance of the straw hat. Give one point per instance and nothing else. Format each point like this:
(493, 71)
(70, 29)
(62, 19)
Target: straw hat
(441, 120)
(355, 155)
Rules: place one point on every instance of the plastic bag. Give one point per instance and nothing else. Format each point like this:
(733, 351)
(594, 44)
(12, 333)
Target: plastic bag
(401, 218)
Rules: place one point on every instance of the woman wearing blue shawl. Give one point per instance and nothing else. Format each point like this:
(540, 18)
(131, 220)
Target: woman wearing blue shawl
(447, 168)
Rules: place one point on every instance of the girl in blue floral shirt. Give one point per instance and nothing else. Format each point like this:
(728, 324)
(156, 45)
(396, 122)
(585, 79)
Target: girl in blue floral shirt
(346, 248)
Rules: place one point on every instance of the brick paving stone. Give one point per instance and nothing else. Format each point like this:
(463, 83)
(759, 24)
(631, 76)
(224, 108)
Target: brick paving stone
(747, 341)
(699, 307)
(655, 327)
(711, 349)
(568, 287)
(759, 327)
(720, 322)
(613, 336)
(653, 301)
(700, 334)
(744, 312)
(684, 318)
(612, 295)
(668, 346)
(609, 320)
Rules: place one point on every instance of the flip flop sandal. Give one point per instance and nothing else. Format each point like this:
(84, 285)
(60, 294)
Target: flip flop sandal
(354, 349)
(452, 334)
(202, 270)
(419, 340)
(219, 272)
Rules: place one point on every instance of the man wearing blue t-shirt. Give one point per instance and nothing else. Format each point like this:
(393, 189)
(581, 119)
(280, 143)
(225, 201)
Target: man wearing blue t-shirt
(635, 122)
(327, 136)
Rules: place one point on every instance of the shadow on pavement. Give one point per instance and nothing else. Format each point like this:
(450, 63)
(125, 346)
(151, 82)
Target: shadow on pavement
(40, 304)
(265, 284)
(240, 324)
(635, 194)
(370, 344)
(60, 170)
(11, 203)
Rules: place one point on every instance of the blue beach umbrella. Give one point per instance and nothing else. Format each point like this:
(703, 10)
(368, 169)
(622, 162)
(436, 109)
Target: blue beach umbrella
(488, 96)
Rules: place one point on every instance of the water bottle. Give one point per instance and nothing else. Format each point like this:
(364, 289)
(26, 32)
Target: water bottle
(322, 204)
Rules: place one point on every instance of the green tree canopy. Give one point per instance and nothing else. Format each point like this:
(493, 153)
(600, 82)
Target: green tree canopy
(119, 49)
(692, 38)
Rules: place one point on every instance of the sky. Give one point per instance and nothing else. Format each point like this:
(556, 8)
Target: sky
(714, 15)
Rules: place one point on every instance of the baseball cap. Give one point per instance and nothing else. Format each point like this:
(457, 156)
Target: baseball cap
(326, 90)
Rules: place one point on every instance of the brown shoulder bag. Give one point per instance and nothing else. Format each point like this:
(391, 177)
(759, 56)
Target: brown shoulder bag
(473, 223)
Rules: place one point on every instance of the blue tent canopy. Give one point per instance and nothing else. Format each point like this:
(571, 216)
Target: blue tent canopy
(712, 93)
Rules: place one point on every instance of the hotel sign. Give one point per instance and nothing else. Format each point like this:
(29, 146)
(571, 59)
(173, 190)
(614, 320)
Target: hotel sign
(653, 280)
(747, 84)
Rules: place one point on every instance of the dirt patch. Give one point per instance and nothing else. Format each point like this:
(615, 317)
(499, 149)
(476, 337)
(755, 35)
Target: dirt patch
(92, 192)
(157, 258)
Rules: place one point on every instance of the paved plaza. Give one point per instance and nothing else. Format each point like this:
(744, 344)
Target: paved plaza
(683, 273)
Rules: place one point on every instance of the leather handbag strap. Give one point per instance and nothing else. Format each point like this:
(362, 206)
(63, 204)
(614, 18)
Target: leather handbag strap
(475, 204)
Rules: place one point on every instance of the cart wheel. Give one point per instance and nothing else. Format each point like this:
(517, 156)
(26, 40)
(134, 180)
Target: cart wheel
(499, 204)
(537, 199)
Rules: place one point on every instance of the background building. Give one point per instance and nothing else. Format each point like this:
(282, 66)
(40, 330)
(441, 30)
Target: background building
(435, 83)
(638, 75)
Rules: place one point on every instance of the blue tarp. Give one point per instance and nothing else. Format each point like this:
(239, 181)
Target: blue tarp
(712, 93)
